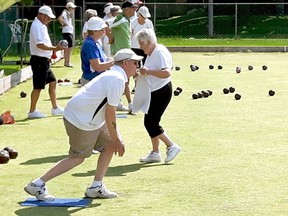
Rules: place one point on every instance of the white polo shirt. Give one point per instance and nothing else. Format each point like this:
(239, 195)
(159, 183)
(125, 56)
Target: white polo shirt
(86, 109)
(67, 20)
(136, 27)
(160, 58)
(39, 35)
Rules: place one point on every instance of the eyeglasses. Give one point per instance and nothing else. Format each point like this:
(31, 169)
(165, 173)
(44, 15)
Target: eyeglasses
(134, 62)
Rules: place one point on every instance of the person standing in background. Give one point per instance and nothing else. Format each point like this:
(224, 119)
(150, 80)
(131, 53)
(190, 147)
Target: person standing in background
(87, 15)
(65, 20)
(105, 39)
(138, 24)
(41, 50)
(93, 59)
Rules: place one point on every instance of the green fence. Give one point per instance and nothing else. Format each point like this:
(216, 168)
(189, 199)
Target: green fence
(187, 20)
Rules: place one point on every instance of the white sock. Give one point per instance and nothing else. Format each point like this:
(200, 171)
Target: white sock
(38, 182)
(96, 184)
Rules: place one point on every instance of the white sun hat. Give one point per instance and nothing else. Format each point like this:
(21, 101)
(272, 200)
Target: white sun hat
(144, 11)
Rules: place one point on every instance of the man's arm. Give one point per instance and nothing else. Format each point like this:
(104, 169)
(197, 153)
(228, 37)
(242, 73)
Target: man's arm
(51, 48)
(110, 116)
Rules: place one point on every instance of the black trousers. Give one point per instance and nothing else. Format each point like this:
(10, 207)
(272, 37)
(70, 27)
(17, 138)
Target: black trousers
(159, 102)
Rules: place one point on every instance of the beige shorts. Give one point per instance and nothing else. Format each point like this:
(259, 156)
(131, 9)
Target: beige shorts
(83, 142)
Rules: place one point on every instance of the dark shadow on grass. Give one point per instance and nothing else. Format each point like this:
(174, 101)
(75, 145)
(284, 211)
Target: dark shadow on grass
(26, 120)
(59, 211)
(60, 98)
(51, 159)
(57, 66)
(120, 170)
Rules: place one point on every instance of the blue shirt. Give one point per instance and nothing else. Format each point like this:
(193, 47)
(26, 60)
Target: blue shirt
(91, 50)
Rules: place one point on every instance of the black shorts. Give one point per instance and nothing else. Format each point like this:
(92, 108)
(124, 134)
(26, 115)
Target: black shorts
(69, 38)
(42, 73)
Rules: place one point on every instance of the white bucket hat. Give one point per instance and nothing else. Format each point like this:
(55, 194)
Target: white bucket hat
(46, 10)
(96, 23)
(107, 8)
(126, 54)
(144, 11)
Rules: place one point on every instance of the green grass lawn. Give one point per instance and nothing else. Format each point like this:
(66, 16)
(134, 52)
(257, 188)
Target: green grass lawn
(233, 159)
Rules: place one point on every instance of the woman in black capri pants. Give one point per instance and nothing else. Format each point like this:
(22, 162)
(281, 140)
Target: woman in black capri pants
(157, 69)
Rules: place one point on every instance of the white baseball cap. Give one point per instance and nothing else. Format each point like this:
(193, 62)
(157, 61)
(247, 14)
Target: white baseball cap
(46, 10)
(71, 5)
(144, 11)
(96, 23)
(126, 54)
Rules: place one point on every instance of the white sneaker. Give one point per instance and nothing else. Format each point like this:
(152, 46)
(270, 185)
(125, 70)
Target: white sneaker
(153, 157)
(130, 107)
(121, 107)
(58, 111)
(40, 192)
(68, 65)
(36, 114)
(172, 152)
(95, 151)
(99, 192)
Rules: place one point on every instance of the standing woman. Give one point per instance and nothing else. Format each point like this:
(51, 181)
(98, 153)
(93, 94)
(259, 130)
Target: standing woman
(105, 39)
(157, 71)
(93, 58)
(65, 20)
(138, 24)
(87, 15)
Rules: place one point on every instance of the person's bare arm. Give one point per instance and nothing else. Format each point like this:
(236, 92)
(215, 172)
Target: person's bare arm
(110, 116)
(101, 66)
(163, 73)
(51, 48)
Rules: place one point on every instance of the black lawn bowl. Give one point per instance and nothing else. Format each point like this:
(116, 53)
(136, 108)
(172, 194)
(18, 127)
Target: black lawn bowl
(231, 89)
(225, 91)
(237, 96)
(271, 92)
(194, 96)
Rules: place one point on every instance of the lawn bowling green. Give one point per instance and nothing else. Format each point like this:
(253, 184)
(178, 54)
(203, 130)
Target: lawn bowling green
(234, 152)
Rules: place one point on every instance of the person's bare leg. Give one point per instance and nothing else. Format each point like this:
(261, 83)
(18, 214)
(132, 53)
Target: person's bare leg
(61, 167)
(103, 162)
(164, 138)
(155, 144)
(34, 99)
(52, 94)
(127, 92)
(67, 55)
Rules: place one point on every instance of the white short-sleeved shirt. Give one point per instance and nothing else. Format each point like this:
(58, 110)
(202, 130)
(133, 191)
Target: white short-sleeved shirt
(39, 35)
(86, 109)
(110, 21)
(68, 21)
(160, 58)
(85, 28)
(136, 27)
